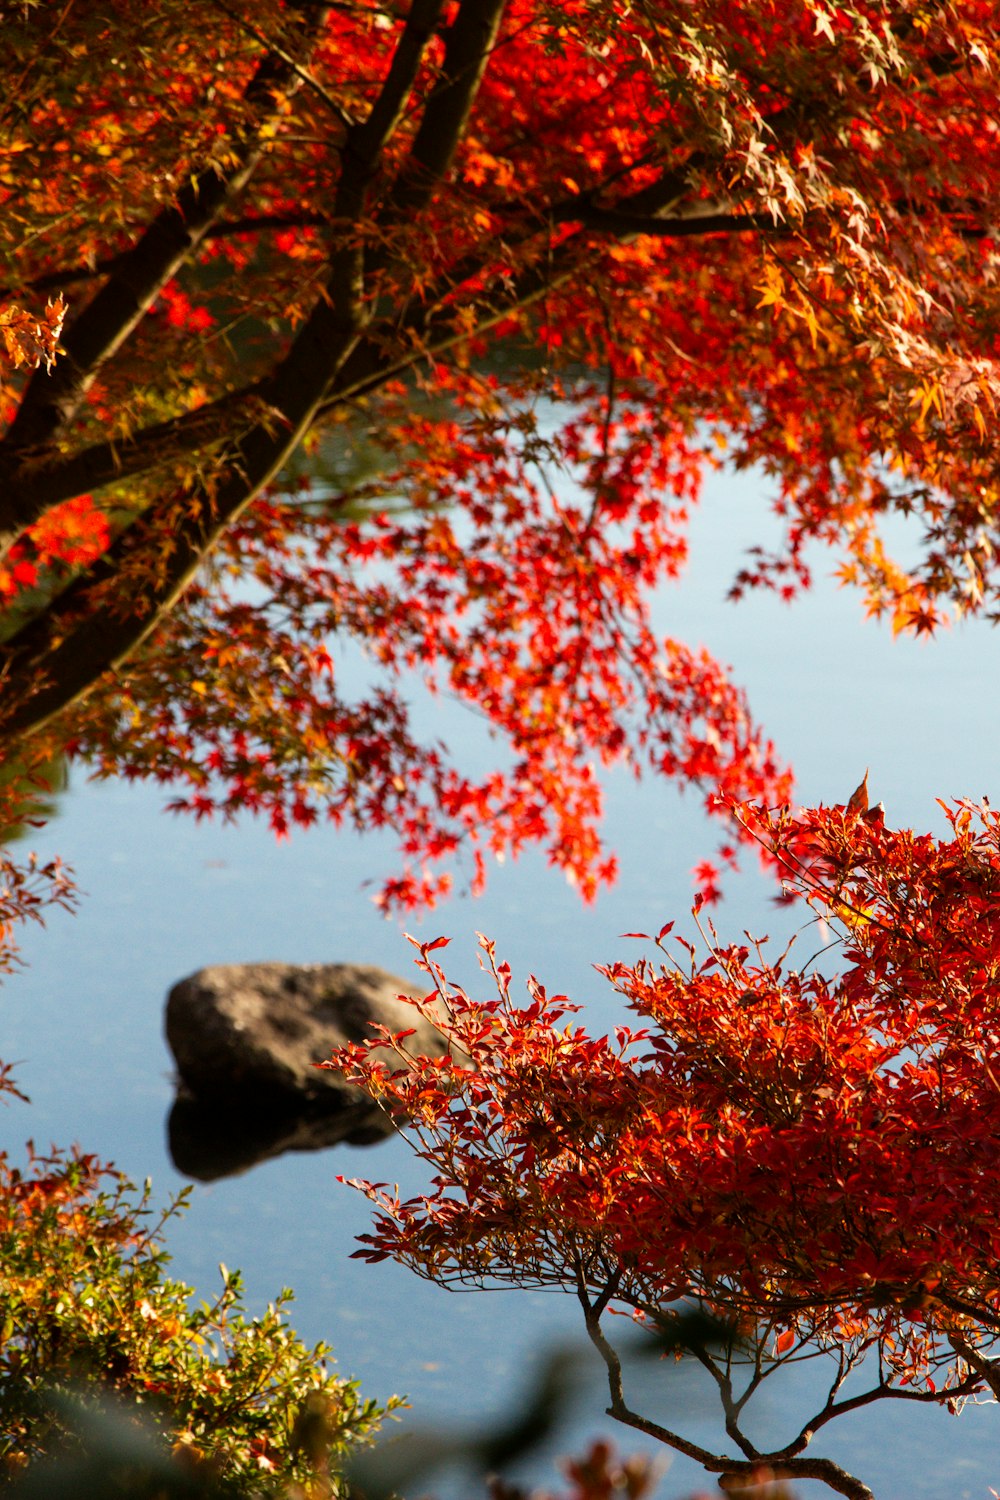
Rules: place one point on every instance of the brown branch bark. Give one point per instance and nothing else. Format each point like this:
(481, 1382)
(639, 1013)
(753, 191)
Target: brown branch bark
(34, 486)
(781, 1467)
(983, 1369)
(367, 141)
(468, 44)
(109, 612)
(64, 276)
(624, 225)
(731, 1407)
(42, 487)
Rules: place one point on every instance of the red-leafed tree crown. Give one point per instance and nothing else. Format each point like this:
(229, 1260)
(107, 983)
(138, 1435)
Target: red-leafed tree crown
(554, 259)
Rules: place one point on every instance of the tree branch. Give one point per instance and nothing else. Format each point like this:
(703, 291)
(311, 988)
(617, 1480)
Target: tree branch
(367, 141)
(64, 276)
(730, 1407)
(468, 44)
(426, 330)
(880, 1392)
(59, 656)
(301, 72)
(984, 1369)
(780, 1467)
(630, 226)
(52, 397)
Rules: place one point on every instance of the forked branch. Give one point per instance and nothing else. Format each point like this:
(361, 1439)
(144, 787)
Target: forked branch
(778, 1465)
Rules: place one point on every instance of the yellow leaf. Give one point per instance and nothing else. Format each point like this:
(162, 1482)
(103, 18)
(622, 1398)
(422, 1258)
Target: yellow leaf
(772, 288)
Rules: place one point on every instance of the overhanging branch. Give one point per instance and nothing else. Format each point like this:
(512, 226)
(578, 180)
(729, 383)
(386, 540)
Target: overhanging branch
(52, 398)
(384, 352)
(107, 614)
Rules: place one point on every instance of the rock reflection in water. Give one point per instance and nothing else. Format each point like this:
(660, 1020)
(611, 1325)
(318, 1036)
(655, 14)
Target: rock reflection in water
(208, 1140)
(247, 1038)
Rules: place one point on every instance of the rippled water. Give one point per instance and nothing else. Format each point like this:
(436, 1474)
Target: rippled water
(164, 897)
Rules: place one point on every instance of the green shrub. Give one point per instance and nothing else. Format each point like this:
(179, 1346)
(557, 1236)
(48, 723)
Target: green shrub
(88, 1315)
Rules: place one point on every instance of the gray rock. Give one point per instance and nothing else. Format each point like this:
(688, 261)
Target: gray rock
(254, 1032)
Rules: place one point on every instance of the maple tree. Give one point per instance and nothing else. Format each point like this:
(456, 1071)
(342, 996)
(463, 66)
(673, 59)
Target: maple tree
(556, 257)
(811, 1156)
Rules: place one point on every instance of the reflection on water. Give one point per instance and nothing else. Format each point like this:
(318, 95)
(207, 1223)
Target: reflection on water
(207, 1142)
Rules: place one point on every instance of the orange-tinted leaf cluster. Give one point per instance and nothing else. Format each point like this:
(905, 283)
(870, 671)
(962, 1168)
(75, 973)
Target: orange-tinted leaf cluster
(600, 1475)
(30, 341)
(814, 1155)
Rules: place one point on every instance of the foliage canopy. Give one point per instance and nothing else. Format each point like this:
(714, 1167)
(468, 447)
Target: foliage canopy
(757, 230)
(557, 258)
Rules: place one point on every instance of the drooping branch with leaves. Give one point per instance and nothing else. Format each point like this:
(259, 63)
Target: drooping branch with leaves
(556, 259)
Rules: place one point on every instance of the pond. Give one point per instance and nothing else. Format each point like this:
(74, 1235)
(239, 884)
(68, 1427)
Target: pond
(164, 896)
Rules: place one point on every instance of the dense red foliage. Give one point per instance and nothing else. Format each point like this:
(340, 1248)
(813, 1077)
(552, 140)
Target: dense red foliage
(554, 258)
(815, 1156)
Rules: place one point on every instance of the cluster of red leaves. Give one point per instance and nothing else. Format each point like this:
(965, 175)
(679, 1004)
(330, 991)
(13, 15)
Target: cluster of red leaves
(68, 538)
(813, 1155)
(527, 606)
(29, 887)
